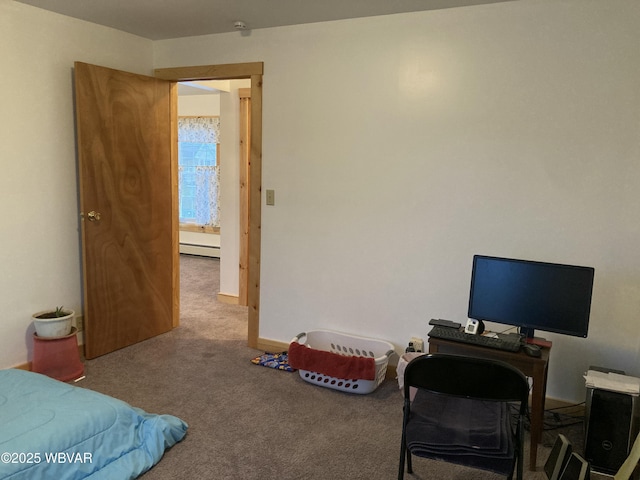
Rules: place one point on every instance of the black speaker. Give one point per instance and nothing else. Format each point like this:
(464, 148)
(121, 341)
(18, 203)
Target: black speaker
(558, 458)
(577, 468)
(611, 428)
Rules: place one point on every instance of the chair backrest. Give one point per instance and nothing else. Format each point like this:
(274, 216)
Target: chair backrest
(470, 377)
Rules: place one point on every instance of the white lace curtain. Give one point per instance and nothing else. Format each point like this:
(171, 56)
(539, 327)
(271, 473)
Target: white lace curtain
(199, 174)
(208, 196)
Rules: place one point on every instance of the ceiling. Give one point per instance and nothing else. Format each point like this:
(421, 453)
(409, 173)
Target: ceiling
(163, 19)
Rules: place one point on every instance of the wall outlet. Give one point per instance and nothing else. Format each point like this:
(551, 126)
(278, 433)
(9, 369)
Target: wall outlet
(418, 344)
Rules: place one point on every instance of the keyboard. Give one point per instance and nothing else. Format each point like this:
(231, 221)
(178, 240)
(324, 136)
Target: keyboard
(507, 342)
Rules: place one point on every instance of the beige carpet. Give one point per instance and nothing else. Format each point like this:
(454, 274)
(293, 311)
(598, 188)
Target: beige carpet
(253, 423)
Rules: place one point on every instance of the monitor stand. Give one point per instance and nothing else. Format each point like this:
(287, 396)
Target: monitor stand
(526, 332)
(541, 342)
(529, 337)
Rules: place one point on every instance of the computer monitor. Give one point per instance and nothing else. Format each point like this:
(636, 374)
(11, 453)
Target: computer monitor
(531, 295)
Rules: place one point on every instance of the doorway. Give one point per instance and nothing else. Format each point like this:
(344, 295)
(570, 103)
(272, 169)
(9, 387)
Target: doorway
(199, 166)
(254, 72)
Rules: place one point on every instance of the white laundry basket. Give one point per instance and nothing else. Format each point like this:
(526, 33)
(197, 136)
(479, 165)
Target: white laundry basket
(344, 344)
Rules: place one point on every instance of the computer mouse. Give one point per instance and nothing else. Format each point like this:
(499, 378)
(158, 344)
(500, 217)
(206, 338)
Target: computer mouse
(532, 350)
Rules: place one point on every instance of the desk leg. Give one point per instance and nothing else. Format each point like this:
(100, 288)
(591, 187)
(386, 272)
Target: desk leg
(537, 414)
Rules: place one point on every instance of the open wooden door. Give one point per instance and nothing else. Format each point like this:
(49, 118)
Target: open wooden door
(128, 199)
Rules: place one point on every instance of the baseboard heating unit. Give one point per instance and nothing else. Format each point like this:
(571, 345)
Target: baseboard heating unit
(202, 250)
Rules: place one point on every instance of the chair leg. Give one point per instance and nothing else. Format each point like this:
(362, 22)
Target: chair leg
(405, 454)
(401, 467)
(520, 454)
(518, 469)
(404, 451)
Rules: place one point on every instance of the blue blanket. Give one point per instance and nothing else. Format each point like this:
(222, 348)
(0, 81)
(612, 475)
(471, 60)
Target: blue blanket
(49, 429)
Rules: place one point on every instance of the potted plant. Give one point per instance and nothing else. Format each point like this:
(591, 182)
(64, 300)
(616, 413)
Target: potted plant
(53, 323)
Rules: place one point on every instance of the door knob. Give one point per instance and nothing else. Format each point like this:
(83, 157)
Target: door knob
(93, 216)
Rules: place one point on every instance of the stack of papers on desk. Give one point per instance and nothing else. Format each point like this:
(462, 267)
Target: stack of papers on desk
(613, 382)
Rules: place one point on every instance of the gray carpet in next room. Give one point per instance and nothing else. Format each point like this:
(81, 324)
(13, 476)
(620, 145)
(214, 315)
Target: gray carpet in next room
(253, 423)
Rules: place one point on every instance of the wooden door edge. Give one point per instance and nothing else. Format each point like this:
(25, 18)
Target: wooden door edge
(175, 216)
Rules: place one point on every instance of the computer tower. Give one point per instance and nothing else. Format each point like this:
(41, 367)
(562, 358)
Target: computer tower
(610, 429)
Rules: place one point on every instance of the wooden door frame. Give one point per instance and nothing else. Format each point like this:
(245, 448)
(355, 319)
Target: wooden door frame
(253, 71)
(245, 162)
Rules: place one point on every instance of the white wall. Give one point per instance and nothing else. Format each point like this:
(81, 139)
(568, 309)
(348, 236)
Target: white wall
(199, 105)
(399, 146)
(39, 244)
(230, 188)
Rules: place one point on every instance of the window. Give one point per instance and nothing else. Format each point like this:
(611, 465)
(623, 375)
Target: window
(198, 171)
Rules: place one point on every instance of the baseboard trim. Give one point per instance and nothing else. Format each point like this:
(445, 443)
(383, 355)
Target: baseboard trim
(271, 346)
(229, 299)
(567, 408)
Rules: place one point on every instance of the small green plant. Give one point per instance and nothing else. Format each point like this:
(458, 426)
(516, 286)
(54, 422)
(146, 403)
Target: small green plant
(57, 313)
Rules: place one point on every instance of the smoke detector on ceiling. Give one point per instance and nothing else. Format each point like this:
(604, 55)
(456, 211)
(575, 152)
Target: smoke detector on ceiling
(239, 25)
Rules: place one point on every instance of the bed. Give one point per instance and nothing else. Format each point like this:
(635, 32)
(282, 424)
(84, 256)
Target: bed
(50, 429)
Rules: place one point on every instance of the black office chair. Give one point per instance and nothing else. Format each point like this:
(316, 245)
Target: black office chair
(458, 409)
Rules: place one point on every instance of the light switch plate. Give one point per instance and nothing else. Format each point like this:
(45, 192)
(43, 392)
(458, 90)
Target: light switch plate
(271, 197)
